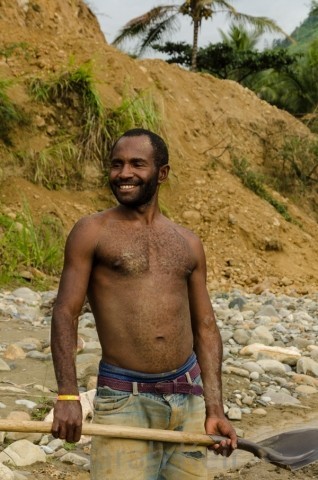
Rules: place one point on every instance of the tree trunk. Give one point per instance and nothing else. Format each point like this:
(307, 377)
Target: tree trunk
(196, 26)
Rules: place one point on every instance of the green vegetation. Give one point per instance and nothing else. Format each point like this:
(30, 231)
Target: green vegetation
(63, 163)
(299, 165)
(224, 61)
(25, 244)
(255, 182)
(138, 110)
(43, 407)
(76, 90)
(55, 167)
(305, 33)
(7, 50)
(10, 114)
(69, 446)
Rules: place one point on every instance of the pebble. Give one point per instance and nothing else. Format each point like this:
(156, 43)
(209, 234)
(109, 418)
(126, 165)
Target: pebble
(269, 344)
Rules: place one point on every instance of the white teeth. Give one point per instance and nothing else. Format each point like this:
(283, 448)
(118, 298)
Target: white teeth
(126, 187)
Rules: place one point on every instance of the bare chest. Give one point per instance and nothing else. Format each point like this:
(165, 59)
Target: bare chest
(138, 251)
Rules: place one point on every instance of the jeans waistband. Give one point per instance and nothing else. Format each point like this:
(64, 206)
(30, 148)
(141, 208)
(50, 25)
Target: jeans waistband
(112, 371)
(182, 384)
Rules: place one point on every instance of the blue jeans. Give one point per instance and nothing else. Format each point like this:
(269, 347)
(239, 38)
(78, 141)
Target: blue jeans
(119, 459)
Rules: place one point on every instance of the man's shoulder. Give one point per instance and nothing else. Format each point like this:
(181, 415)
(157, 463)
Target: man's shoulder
(96, 219)
(91, 225)
(185, 232)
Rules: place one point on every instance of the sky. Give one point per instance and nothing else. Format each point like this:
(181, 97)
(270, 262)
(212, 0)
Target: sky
(113, 14)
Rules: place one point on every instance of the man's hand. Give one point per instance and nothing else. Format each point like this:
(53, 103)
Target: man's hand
(67, 422)
(221, 426)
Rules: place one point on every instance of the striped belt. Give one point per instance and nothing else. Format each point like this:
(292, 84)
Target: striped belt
(182, 384)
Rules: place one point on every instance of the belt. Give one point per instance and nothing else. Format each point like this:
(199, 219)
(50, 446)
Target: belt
(182, 384)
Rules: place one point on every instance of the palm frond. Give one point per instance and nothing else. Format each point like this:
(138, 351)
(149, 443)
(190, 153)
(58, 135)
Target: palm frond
(139, 25)
(157, 32)
(262, 24)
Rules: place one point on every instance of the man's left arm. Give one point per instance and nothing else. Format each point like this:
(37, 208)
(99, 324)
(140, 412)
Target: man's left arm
(209, 351)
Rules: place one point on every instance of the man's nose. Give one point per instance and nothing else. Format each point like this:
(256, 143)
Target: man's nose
(126, 171)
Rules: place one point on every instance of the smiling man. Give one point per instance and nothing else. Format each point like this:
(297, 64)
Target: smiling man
(144, 277)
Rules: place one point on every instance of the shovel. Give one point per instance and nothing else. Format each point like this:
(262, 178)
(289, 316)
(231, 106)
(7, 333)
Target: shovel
(291, 450)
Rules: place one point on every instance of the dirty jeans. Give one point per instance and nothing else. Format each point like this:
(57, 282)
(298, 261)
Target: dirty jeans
(127, 459)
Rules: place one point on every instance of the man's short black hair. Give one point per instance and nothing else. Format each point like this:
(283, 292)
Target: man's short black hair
(159, 146)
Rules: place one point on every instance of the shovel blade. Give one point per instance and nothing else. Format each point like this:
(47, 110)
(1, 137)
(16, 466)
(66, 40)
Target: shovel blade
(297, 448)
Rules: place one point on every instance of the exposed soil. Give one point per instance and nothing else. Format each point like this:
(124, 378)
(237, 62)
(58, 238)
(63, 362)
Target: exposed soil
(248, 243)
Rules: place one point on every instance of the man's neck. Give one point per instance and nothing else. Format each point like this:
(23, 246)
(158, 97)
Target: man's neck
(145, 214)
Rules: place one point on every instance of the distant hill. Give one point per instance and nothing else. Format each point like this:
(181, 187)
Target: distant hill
(305, 34)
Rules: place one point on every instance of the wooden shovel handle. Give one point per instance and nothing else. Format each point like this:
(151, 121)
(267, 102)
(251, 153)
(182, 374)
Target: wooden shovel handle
(115, 431)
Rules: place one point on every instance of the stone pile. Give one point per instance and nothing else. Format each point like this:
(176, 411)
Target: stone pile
(270, 346)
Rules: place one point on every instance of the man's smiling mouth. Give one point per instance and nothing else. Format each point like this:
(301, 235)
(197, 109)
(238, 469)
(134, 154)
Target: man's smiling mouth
(126, 187)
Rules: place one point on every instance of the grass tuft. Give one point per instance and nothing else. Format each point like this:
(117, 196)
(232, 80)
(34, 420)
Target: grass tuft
(24, 244)
(10, 114)
(255, 182)
(55, 167)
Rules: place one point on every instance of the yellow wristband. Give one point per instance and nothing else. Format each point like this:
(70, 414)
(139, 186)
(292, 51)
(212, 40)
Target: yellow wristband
(68, 397)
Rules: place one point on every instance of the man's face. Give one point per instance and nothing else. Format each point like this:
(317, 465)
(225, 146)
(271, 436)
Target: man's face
(133, 174)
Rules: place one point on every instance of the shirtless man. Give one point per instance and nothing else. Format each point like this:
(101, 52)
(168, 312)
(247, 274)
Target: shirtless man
(145, 279)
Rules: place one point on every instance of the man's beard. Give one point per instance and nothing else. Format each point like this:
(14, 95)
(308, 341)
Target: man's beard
(144, 194)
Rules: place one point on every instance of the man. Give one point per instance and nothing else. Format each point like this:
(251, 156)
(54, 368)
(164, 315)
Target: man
(144, 277)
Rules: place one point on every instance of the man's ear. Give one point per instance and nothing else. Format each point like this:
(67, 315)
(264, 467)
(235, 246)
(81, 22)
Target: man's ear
(163, 173)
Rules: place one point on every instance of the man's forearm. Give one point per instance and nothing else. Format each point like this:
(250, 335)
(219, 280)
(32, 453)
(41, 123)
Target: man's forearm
(209, 351)
(64, 349)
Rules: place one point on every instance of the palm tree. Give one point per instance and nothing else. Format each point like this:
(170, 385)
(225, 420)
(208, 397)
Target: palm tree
(152, 26)
(240, 38)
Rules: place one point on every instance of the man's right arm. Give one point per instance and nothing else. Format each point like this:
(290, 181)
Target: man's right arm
(79, 253)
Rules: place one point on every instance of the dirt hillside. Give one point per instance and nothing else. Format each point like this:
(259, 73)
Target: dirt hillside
(207, 121)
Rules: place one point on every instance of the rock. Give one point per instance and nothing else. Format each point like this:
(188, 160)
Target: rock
(253, 367)
(27, 295)
(305, 380)
(86, 365)
(262, 335)
(241, 336)
(272, 366)
(39, 355)
(237, 302)
(290, 356)
(254, 376)
(281, 398)
(306, 389)
(261, 412)
(55, 444)
(74, 459)
(22, 453)
(6, 473)
(236, 371)
(87, 320)
(234, 413)
(192, 216)
(29, 344)
(226, 335)
(307, 366)
(267, 311)
(27, 403)
(4, 367)
(14, 352)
